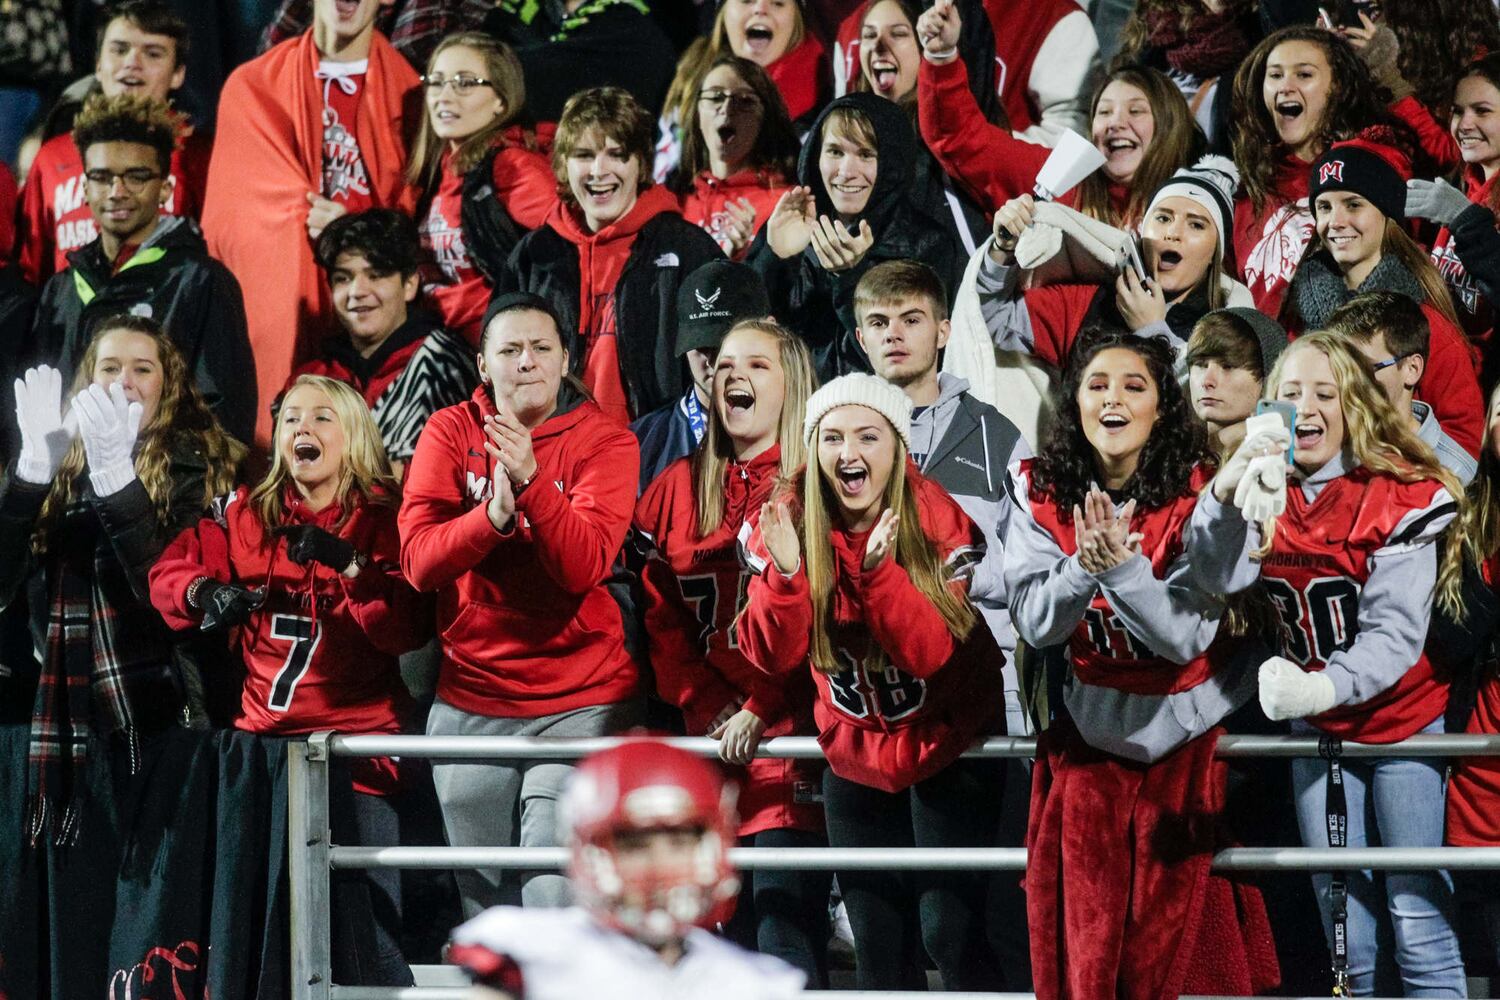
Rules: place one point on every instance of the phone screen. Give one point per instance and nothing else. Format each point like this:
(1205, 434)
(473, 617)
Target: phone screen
(1288, 414)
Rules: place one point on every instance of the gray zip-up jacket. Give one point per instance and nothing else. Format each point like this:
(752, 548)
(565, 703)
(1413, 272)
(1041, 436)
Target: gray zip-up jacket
(1450, 453)
(967, 445)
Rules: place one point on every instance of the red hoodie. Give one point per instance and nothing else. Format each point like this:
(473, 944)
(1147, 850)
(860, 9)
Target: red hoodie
(990, 162)
(1268, 245)
(799, 76)
(705, 208)
(601, 260)
(528, 627)
(524, 187)
(695, 588)
(891, 727)
(321, 653)
(54, 218)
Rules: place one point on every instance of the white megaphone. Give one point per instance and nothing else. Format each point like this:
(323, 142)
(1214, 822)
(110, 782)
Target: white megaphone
(1071, 160)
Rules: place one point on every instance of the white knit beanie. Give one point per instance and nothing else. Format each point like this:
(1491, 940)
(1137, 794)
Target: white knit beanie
(1211, 183)
(860, 390)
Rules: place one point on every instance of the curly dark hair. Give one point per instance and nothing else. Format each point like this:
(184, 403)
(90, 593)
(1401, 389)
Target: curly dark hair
(127, 118)
(1065, 467)
(385, 237)
(1438, 38)
(1354, 102)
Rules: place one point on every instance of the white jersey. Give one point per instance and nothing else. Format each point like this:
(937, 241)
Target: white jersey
(567, 955)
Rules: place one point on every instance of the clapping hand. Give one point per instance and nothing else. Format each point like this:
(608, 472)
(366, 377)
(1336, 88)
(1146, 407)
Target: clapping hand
(789, 229)
(779, 532)
(46, 434)
(1104, 538)
(882, 539)
(836, 248)
(109, 423)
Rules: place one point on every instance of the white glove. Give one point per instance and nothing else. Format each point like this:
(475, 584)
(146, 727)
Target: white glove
(1289, 692)
(45, 434)
(109, 423)
(1264, 434)
(1261, 494)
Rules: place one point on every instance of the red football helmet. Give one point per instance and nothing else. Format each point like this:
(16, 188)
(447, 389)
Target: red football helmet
(639, 787)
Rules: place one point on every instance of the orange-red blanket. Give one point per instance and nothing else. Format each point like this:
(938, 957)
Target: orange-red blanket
(1120, 900)
(268, 155)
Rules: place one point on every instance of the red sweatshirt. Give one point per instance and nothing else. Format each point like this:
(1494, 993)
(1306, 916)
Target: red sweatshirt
(1269, 245)
(991, 163)
(799, 75)
(1433, 137)
(54, 219)
(601, 260)
(525, 188)
(928, 696)
(321, 652)
(695, 588)
(528, 627)
(704, 206)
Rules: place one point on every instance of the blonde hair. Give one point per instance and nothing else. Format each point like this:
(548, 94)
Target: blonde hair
(182, 421)
(1398, 244)
(913, 551)
(1475, 534)
(503, 70)
(365, 471)
(1378, 437)
(711, 458)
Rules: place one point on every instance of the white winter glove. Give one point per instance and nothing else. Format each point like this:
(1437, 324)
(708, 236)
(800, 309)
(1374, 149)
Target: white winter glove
(1289, 692)
(45, 434)
(1264, 434)
(1261, 494)
(109, 423)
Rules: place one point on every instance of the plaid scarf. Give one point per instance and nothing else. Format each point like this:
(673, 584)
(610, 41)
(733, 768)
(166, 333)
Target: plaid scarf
(84, 664)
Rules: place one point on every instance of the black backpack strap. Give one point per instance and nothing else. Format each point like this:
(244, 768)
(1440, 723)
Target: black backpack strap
(489, 232)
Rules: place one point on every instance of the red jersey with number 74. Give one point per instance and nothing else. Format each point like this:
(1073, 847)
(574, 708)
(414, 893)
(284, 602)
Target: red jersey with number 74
(1320, 560)
(321, 652)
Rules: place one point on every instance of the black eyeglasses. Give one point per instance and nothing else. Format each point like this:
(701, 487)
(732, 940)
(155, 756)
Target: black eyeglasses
(461, 84)
(735, 99)
(1381, 366)
(134, 179)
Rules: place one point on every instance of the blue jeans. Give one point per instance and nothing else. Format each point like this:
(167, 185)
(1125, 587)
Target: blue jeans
(1392, 802)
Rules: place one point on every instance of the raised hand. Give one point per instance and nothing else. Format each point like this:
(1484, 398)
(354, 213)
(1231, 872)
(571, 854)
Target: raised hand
(1141, 301)
(938, 30)
(836, 248)
(739, 230)
(789, 229)
(1258, 443)
(1104, 539)
(45, 434)
(109, 424)
(320, 212)
(1013, 219)
(509, 443)
(780, 534)
(882, 539)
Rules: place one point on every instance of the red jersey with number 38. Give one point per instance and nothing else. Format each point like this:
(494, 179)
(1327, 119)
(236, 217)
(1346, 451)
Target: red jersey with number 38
(321, 652)
(1321, 558)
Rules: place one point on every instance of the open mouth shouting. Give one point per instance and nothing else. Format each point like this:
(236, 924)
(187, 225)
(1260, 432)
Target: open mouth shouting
(305, 453)
(852, 480)
(346, 9)
(760, 36)
(1288, 116)
(1113, 422)
(739, 401)
(726, 134)
(1167, 261)
(601, 193)
(1309, 436)
(1120, 145)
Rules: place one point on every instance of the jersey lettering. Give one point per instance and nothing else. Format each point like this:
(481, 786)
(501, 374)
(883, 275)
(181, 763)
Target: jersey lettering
(1320, 620)
(1109, 637)
(700, 592)
(304, 634)
(888, 691)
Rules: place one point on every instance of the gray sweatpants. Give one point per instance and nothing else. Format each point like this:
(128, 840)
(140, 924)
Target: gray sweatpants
(483, 802)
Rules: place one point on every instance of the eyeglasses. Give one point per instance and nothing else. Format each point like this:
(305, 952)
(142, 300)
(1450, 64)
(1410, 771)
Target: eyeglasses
(1381, 366)
(462, 85)
(134, 179)
(718, 98)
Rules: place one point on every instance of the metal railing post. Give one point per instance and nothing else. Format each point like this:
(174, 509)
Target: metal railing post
(308, 845)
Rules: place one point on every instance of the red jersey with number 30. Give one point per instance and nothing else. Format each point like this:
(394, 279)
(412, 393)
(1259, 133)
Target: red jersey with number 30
(321, 652)
(1103, 651)
(908, 698)
(1321, 558)
(695, 588)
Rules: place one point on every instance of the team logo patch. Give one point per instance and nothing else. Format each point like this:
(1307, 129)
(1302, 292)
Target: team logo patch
(1332, 170)
(707, 301)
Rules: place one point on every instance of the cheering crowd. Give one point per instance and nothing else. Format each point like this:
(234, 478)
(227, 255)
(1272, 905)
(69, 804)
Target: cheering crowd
(896, 373)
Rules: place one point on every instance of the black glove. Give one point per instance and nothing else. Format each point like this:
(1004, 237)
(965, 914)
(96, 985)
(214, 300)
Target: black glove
(307, 543)
(225, 604)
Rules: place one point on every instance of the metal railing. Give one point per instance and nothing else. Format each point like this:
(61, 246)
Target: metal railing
(313, 856)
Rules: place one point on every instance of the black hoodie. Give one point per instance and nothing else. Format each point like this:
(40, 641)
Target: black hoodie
(172, 280)
(819, 305)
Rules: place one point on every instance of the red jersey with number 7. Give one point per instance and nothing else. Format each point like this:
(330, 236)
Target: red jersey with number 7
(1321, 558)
(907, 698)
(321, 652)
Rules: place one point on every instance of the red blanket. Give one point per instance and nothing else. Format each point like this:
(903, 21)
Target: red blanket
(1120, 900)
(268, 155)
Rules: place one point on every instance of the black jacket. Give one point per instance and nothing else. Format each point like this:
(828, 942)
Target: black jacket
(174, 281)
(666, 249)
(818, 304)
(665, 435)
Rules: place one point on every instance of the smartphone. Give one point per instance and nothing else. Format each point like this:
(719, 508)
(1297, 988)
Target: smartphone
(1287, 414)
(1135, 259)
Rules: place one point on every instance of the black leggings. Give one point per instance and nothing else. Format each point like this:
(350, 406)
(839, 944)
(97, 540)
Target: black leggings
(785, 913)
(957, 807)
(366, 905)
